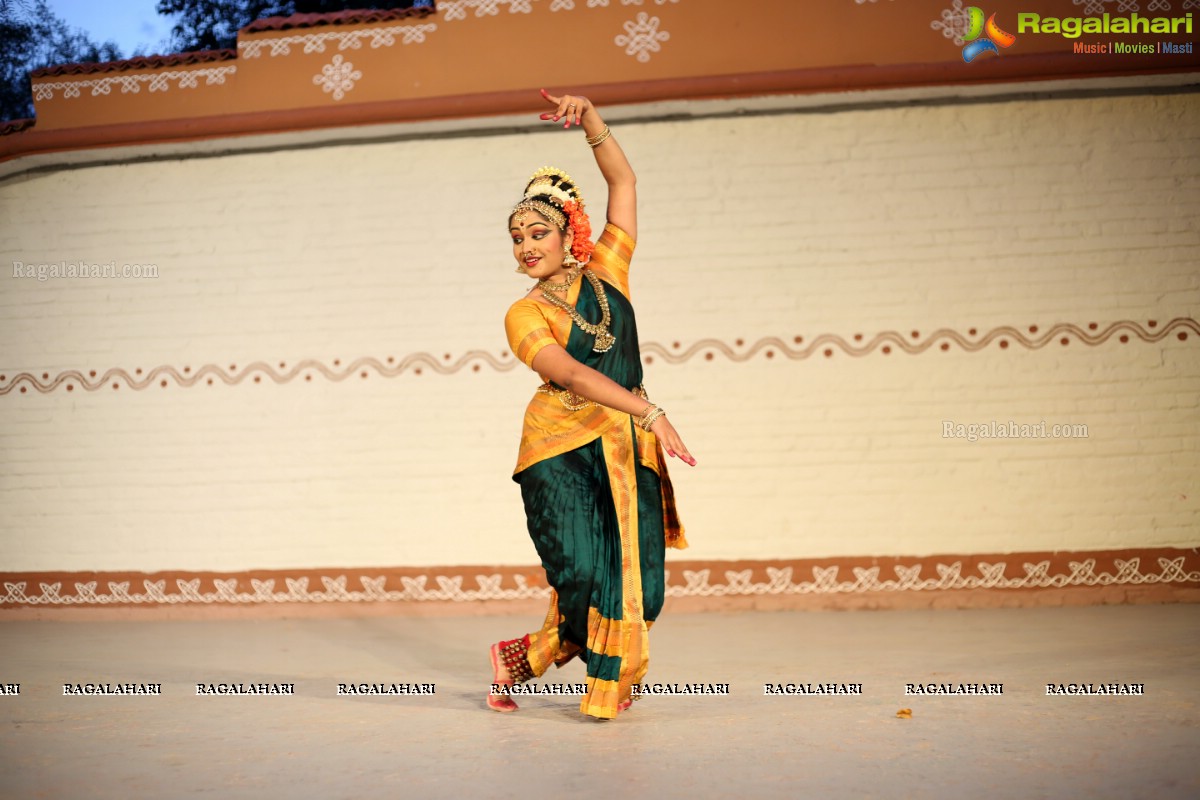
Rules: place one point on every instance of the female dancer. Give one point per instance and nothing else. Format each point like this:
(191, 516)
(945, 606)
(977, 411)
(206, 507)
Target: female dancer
(593, 476)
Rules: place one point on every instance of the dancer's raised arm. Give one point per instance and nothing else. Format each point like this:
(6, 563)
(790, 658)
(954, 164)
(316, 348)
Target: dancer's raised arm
(574, 109)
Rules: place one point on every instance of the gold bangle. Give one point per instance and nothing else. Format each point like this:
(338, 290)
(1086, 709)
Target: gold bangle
(598, 139)
(649, 416)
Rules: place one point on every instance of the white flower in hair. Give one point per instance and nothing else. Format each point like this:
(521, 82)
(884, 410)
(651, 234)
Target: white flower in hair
(561, 195)
(548, 178)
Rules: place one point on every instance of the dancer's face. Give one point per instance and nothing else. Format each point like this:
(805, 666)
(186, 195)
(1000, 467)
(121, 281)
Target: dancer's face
(537, 245)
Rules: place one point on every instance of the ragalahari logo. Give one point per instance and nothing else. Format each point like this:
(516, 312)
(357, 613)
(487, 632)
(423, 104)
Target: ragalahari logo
(976, 45)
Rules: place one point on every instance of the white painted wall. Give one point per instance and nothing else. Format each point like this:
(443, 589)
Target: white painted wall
(905, 218)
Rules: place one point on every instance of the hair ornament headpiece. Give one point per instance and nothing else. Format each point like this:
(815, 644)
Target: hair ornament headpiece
(554, 179)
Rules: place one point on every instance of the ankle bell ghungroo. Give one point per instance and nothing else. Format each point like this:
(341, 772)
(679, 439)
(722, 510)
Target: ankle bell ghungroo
(515, 657)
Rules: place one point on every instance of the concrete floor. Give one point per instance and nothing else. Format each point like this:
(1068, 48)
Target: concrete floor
(316, 744)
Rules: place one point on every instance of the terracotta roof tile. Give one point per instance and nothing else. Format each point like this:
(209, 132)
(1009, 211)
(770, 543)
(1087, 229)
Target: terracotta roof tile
(352, 17)
(144, 62)
(16, 125)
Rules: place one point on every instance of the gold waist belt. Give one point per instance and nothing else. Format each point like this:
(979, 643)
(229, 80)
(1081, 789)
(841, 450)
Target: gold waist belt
(573, 402)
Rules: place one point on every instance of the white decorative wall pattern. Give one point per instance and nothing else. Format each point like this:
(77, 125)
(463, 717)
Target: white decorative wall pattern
(457, 10)
(345, 40)
(781, 581)
(642, 37)
(1100, 6)
(132, 84)
(337, 77)
(953, 23)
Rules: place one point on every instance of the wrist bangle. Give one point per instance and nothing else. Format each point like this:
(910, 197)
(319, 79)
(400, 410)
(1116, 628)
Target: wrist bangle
(598, 139)
(650, 416)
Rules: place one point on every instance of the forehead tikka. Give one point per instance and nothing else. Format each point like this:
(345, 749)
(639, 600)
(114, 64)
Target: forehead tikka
(545, 209)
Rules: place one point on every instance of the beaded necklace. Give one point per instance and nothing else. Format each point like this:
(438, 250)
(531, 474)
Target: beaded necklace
(604, 339)
(572, 274)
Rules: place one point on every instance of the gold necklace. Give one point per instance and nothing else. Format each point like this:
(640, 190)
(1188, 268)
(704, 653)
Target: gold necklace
(604, 339)
(572, 274)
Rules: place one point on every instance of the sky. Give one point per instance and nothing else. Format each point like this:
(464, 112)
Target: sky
(129, 23)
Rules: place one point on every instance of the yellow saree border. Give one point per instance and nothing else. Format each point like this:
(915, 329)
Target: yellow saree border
(626, 638)
(545, 647)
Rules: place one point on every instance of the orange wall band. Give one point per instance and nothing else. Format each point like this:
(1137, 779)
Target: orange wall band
(1035, 67)
(940, 581)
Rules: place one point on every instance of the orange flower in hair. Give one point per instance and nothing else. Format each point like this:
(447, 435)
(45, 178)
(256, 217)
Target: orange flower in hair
(581, 231)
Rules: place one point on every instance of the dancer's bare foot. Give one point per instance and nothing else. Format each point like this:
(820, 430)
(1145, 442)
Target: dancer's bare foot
(627, 702)
(500, 677)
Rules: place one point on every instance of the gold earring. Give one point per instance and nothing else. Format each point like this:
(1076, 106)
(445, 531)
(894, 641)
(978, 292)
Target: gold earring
(569, 260)
(521, 269)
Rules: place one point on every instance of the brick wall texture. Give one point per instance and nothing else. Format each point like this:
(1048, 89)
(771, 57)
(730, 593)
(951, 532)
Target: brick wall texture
(1015, 233)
